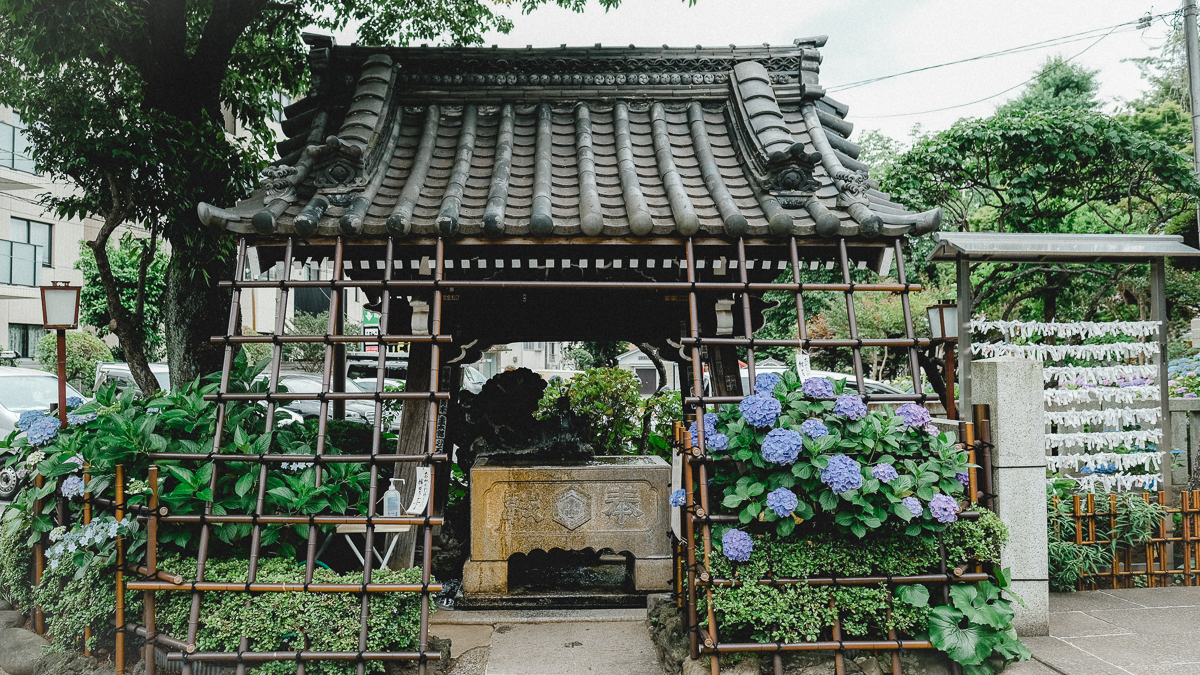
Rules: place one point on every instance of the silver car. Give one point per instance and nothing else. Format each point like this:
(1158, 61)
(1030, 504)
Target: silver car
(23, 389)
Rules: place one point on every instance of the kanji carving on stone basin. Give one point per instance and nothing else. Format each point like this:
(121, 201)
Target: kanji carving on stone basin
(621, 502)
(572, 509)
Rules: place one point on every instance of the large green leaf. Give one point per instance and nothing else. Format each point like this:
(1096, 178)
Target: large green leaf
(968, 646)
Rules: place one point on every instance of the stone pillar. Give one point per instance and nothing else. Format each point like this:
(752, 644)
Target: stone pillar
(1012, 387)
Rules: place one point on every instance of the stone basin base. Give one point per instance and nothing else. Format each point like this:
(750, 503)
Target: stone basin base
(619, 503)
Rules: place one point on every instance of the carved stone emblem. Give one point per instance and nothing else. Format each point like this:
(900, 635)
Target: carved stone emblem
(623, 503)
(572, 509)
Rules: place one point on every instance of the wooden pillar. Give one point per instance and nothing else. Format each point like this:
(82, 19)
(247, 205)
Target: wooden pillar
(414, 420)
(964, 335)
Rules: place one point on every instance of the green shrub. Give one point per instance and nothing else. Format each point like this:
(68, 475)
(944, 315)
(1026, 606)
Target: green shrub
(317, 621)
(16, 572)
(84, 351)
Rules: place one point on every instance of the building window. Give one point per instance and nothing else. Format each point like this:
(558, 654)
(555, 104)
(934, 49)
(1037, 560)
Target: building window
(23, 338)
(37, 234)
(533, 346)
(14, 150)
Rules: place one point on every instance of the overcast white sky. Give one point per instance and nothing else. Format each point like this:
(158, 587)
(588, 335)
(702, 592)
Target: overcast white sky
(869, 38)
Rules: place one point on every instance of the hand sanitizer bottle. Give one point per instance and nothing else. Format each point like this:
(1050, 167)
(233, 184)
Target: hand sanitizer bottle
(391, 501)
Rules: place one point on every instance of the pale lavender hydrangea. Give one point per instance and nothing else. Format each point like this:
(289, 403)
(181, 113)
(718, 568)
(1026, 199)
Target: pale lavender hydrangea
(782, 501)
(817, 387)
(782, 446)
(764, 383)
(737, 545)
(678, 497)
(964, 478)
(28, 417)
(77, 460)
(884, 473)
(760, 411)
(842, 474)
(913, 505)
(72, 487)
(944, 508)
(43, 431)
(74, 401)
(814, 428)
(849, 405)
(913, 415)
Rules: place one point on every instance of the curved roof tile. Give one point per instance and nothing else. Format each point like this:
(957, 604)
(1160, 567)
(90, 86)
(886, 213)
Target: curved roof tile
(560, 142)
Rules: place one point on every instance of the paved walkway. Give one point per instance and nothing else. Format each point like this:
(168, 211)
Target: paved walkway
(548, 642)
(1137, 631)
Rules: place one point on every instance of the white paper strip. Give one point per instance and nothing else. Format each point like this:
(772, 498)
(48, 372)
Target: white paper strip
(1098, 440)
(1116, 350)
(1095, 374)
(1148, 461)
(1113, 417)
(421, 492)
(1109, 481)
(1084, 329)
(1105, 394)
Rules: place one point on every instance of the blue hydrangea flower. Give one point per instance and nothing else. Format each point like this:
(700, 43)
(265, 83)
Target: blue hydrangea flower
(913, 415)
(72, 487)
(760, 411)
(74, 402)
(842, 474)
(817, 387)
(764, 383)
(782, 446)
(678, 497)
(964, 478)
(43, 431)
(716, 440)
(737, 545)
(913, 505)
(814, 428)
(782, 501)
(710, 429)
(28, 417)
(944, 508)
(849, 405)
(75, 420)
(884, 473)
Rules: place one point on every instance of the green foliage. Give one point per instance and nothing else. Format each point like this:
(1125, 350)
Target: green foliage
(927, 466)
(1057, 84)
(84, 351)
(77, 597)
(316, 621)
(976, 540)
(125, 259)
(608, 399)
(255, 351)
(977, 625)
(310, 356)
(16, 572)
(587, 355)
(883, 552)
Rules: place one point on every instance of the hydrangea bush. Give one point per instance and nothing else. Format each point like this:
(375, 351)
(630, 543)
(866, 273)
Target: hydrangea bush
(848, 468)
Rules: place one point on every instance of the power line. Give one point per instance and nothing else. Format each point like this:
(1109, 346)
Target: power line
(1044, 44)
(1000, 93)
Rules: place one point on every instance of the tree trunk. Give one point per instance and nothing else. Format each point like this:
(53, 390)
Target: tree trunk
(196, 308)
(414, 430)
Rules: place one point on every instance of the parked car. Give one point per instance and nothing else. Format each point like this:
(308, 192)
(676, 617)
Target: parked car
(362, 367)
(362, 412)
(23, 389)
(118, 374)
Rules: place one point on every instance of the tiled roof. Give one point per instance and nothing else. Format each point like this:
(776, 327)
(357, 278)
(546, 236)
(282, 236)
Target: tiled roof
(561, 142)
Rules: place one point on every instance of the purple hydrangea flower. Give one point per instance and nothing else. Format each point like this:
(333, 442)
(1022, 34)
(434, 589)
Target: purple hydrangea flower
(72, 487)
(931, 429)
(964, 478)
(764, 383)
(913, 505)
(782, 501)
(28, 417)
(817, 387)
(74, 402)
(944, 508)
(1189, 395)
(716, 440)
(678, 497)
(814, 428)
(760, 411)
(737, 545)
(710, 430)
(781, 446)
(884, 473)
(42, 431)
(842, 474)
(849, 405)
(913, 415)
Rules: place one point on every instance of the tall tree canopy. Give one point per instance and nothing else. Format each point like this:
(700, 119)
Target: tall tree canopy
(127, 100)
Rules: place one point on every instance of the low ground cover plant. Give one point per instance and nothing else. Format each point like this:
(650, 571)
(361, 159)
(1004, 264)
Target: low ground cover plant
(824, 487)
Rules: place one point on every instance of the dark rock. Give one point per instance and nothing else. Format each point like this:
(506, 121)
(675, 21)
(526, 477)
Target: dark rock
(666, 633)
(20, 651)
(499, 422)
(66, 663)
(11, 619)
(5, 606)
